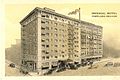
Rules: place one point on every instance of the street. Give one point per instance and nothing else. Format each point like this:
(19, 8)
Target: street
(98, 69)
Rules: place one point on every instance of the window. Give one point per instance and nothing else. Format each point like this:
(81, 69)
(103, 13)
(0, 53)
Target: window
(43, 22)
(42, 34)
(56, 45)
(55, 24)
(55, 18)
(68, 22)
(55, 50)
(23, 25)
(30, 64)
(47, 16)
(42, 40)
(43, 57)
(47, 45)
(47, 22)
(56, 35)
(43, 15)
(47, 28)
(62, 19)
(75, 55)
(47, 57)
(47, 52)
(55, 29)
(42, 28)
(43, 45)
(23, 39)
(62, 45)
(74, 32)
(47, 34)
(76, 28)
(76, 41)
(24, 44)
(56, 40)
(43, 51)
(56, 57)
(63, 36)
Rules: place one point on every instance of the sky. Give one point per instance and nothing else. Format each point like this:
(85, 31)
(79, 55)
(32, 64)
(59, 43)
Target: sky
(14, 13)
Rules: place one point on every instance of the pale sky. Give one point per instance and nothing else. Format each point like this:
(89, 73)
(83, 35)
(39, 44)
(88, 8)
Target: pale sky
(111, 26)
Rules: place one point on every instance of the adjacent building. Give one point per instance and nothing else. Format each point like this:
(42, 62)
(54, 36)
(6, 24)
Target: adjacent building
(47, 37)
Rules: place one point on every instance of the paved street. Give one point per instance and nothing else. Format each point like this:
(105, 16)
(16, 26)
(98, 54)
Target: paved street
(11, 71)
(97, 70)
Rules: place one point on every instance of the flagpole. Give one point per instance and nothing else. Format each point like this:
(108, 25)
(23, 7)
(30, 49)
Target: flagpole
(75, 12)
(79, 14)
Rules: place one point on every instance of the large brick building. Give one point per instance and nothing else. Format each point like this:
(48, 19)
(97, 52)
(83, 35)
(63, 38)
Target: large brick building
(47, 37)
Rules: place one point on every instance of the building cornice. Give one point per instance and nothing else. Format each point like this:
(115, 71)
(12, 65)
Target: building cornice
(37, 9)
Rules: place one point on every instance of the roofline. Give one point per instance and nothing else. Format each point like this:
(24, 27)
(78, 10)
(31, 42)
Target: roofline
(57, 14)
(28, 15)
(88, 23)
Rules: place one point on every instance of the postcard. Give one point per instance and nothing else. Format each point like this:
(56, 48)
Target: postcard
(62, 39)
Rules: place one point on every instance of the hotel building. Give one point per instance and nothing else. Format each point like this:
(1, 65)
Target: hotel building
(91, 42)
(47, 37)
